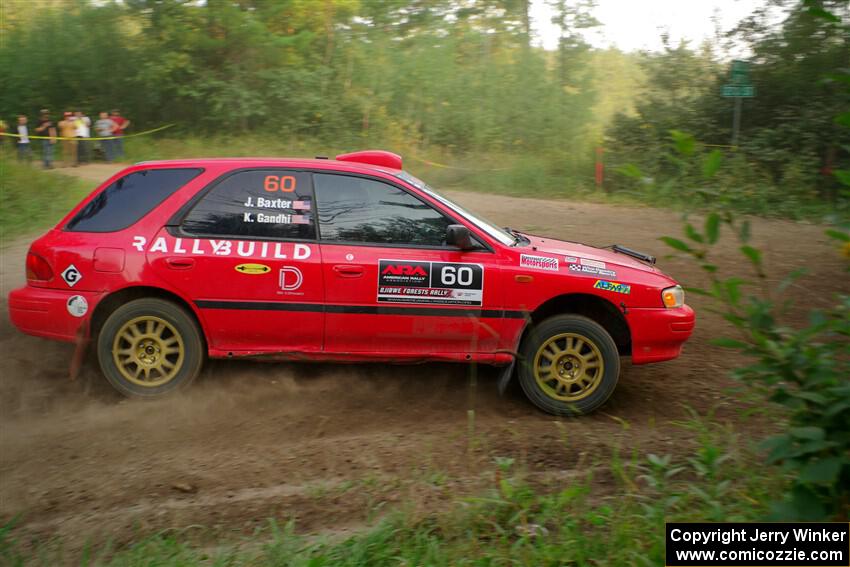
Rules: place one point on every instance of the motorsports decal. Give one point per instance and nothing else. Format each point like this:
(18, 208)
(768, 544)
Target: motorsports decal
(403, 281)
(539, 262)
(203, 246)
(616, 287)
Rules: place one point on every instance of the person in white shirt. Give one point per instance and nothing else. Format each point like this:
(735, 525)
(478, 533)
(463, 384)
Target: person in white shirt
(82, 124)
(23, 144)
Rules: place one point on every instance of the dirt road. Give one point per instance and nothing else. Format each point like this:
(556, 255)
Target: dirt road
(332, 446)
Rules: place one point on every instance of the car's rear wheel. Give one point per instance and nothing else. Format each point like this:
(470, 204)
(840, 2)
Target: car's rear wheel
(570, 365)
(150, 347)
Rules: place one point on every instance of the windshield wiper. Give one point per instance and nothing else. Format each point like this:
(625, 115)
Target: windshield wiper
(519, 237)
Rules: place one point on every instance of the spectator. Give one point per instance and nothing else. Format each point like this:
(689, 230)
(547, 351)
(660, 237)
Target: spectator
(23, 142)
(121, 124)
(104, 128)
(47, 128)
(68, 131)
(82, 124)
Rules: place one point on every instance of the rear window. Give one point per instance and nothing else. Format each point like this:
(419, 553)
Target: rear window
(128, 199)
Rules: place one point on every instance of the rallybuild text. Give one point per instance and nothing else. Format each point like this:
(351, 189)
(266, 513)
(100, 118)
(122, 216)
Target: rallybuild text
(803, 544)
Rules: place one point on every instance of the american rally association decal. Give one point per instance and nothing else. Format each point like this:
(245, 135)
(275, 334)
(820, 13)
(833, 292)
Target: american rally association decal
(403, 281)
(539, 262)
(616, 287)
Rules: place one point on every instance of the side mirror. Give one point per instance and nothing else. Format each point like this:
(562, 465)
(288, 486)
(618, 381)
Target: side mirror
(458, 235)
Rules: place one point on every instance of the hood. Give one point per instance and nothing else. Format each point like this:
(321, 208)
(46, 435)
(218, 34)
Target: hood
(564, 249)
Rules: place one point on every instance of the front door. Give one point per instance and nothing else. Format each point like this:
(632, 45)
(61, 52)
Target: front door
(391, 283)
(246, 254)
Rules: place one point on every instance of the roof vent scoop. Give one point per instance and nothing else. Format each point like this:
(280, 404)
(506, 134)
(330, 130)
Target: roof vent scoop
(373, 157)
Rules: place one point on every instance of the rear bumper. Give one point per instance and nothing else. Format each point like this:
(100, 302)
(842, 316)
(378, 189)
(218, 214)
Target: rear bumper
(44, 312)
(659, 333)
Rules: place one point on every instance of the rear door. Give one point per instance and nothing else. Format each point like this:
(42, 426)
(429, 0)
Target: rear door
(391, 283)
(246, 253)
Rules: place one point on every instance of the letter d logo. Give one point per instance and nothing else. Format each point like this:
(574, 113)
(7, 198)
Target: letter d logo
(290, 278)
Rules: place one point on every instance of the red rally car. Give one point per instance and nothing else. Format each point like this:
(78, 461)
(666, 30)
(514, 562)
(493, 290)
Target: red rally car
(351, 259)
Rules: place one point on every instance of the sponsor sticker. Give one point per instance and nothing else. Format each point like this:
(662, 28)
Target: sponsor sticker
(71, 275)
(592, 271)
(252, 269)
(290, 278)
(446, 283)
(592, 263)
(570, 259)
(539, 262)
(204, 247)
(77, 305)
(616, 287)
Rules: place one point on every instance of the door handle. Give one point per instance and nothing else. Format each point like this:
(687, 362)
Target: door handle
(348, 270)
(178, 263)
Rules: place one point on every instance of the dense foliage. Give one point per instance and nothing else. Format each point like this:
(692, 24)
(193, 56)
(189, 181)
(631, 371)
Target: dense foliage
(449, 78)
(791, 140)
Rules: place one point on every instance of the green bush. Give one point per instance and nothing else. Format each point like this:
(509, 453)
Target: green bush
(804, 371)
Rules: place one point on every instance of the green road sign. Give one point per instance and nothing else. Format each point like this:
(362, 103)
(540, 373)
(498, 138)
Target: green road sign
(740, 91)
(740, 73)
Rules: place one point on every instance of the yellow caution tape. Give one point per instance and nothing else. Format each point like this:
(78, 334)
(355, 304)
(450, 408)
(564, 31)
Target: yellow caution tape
(719, 146)
(146, 132)
(435, 164)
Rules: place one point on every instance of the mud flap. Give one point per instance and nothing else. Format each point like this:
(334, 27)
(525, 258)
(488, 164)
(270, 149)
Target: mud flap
(505, 378)
(82, 343)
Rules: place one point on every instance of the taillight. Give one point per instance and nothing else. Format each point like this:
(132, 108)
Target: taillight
(38, 268)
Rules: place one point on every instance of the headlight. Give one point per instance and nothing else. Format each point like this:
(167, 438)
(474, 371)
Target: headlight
(673, 296)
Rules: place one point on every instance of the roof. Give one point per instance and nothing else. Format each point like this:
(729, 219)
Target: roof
(355, 162)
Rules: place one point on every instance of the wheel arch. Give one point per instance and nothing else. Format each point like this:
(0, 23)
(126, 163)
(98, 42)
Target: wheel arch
(600, 310)
(114, 300)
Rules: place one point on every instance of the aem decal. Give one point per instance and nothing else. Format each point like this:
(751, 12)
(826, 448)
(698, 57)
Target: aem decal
(252, 269)
(446, 283)
(616, 287)
(539, 262)
(71, 275)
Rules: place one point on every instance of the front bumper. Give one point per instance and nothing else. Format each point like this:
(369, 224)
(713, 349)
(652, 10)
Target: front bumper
(659, 333)
(44, 312)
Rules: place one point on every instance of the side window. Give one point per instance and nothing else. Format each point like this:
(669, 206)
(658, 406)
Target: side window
(355, 209)
(259, 203)
(124, 202)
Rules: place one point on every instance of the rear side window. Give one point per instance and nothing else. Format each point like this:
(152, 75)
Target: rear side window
(128, 199)
(256, 203)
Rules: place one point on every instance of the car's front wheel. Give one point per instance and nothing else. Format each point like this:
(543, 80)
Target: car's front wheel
(570, 365)
(149, 347)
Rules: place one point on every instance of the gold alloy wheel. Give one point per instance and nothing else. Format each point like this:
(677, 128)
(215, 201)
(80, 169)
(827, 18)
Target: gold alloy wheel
(568, 367)
(148, 351)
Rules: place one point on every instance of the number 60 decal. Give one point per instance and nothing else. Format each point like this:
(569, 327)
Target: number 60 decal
(285, 183)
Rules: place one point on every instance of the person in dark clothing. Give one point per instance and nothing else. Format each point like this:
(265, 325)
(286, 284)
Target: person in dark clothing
(46, 127)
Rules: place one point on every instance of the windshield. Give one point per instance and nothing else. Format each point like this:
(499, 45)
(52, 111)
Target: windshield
(499, 234)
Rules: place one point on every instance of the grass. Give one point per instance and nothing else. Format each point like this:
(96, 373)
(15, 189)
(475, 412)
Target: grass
(613, 515)
(32, 199)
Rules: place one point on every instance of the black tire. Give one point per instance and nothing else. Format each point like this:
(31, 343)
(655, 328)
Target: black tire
(161, 371)
(593, 386)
